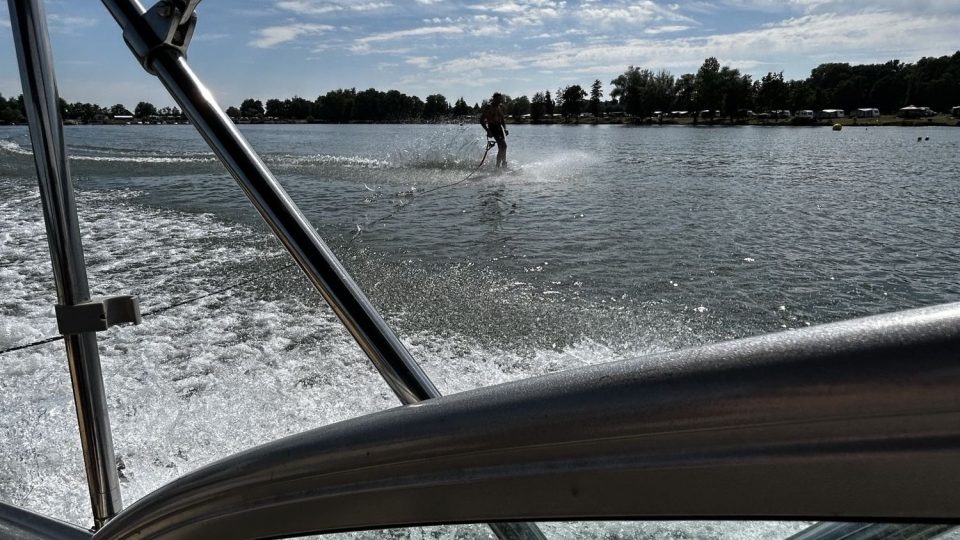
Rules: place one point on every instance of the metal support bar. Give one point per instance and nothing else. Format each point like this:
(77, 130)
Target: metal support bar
(66, 252)
(312, 255)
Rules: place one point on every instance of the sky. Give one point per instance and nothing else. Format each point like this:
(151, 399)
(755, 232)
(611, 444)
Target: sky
(471, 48)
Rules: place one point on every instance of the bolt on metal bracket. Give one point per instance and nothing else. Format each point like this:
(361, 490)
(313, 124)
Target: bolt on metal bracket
(97, 314)
(171, 24)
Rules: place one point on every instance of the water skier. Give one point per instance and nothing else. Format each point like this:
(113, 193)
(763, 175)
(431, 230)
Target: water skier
(494, 122)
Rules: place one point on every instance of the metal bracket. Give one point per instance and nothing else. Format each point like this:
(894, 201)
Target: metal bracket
(97, 314)
(171, 24)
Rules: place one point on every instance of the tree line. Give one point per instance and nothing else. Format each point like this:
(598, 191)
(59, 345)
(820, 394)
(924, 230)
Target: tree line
(12, 111)
(714, 90)
(722, 90)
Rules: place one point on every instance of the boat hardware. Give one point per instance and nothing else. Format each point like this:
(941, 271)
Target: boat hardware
(97, 314)
(35, 58)
(171, 24)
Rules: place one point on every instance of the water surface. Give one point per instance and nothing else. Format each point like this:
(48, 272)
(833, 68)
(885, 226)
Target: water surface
(603, 243)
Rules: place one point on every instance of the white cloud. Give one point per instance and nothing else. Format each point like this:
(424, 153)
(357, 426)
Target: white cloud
(306, 7)
(362, 45)
(421, 61)
(834, 37)
(477, 62)
(274, 35)
(666, 29)
(639, 13)
(68, 24)
(315, 7)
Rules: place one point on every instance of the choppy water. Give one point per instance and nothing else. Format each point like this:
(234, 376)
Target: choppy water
(605, 244)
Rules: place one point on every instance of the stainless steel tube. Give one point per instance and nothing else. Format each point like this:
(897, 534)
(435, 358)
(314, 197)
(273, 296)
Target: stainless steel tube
(66, 252)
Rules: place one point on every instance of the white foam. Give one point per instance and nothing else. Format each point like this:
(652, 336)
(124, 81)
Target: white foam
(117, 156)
(12, 147)
(144, 159)
(358, 162)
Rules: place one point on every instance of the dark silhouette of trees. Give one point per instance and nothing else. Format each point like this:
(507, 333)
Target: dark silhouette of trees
(641, 91)
(251, 108)
(596, 95)
(932, 82)
(144, 109)
(685, 92)
(275, 109)
(771, 93)
(460, 108)
(538, 107)
(574, 101)
(336, 105)
(519, 107)
(737, 92)
(11, 110)
(708, 88)
(435, 107)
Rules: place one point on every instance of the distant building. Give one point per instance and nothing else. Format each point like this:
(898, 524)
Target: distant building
(807, 113)
(831, 113)
(865, 113)
(912, 111)
(955, 111)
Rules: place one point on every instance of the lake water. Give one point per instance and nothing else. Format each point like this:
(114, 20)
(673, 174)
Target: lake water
(603, 243)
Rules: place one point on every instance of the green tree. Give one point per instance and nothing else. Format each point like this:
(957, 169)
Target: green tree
(660, 92)
(119, 109)
(551, 105)
(737, 92)
(144, 109)
(709, 92)
(233, 112)
(297, 108)
(631, 89)
(368, 106)
(538, 107)
(435, 107)
(460, 108)
(772, 92)
(685, 91)
(519, 107)
(11, 110)
(800, 96)
(574, 101)
(336, 105)
(275, 109)
(251, 108)
(596, 95)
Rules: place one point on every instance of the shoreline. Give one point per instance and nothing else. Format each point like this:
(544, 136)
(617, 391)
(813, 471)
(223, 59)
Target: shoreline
(883, 121)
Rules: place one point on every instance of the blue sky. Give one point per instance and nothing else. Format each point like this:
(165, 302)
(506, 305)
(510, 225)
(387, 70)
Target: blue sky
(470, 48)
